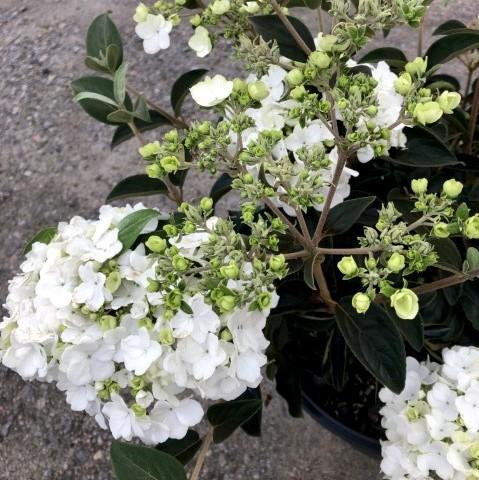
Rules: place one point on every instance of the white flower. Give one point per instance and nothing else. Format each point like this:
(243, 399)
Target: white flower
(139, 351)
(314, 133)
(91, 291)
(211, 91)
(155, 32)
(200, 42)
(28, 360)
(442, 398)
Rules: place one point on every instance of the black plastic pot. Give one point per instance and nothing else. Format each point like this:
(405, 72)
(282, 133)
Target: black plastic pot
(368, 445)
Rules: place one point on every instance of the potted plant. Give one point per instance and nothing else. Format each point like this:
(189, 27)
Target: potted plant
(351, 246)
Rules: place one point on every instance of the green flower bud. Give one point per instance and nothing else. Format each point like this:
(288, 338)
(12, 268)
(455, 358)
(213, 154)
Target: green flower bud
(174, 19)
(405, 303)
(448, 101)
(226, 335)
(425, 93)
(220, 7)
(189, 227)
(170, 163)
(386, 288)
(250, 7)
(417, 67)
(403, 84)
(141, 13)
(239, 85)
(156, 244)
(170, 230)
(471, 227)
(113, 281)
(320, 59)
(277, 262)
(452, 188)
(179, 263)
(230, 271)
(440, 230)
(298, 93)
(153, 286)
(295, 77)
(361, 302)
(248, 179)
(428, 112)
(107, 322)
(195, 20)
(226, 303)
(263, 300)
(258, 90)
(206, 204)
(138, 410)
(173, 299)
(171, 136)
(326, 42)
(396, 262)
(168, 314)
(372, 110)
(342, 103)
(150, 149)
(153, 170)
(348, 266)
(419, 185)
(371, 263)
(204, 127)
(166, 336)
(146, 322)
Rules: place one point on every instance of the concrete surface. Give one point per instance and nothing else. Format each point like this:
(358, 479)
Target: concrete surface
(55, 162)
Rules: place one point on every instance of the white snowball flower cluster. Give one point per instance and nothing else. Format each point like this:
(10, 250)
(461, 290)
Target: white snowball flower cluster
(91, 317)
(432, 426)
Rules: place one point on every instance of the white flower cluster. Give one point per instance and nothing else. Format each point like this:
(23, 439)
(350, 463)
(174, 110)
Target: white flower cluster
(83, 314)
(432, 426)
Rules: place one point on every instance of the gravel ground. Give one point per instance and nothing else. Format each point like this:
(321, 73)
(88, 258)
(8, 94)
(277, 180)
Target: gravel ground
(55, 162)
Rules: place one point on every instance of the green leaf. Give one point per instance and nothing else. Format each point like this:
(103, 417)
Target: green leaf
(184, 449)
(43, 236)
(95, 96)
(448, 27)
(133, 462)
(253, 426)
(132, 225)
(94, 107)
(472, 256)
(392, 56)
(101, 34)
(424, 149)
(344, 215)
(120, 116)
(312, 4)
(449, 255)
(375, 341)
(181, 87)
(137, 186)
(221, 187)
(412, 330)
(443, 82)
(119, 83)
(270, 27)
(308, 272)
(226, 417)
(124, 133)
(141, 110)
(450, 46)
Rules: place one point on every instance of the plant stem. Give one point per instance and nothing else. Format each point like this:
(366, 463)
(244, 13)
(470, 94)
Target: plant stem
(295, 255)
(320, 19)
(200, 460)
(289, 26)
(417, 223)
(304, 227)
(446, 282)
(174, 121)
(420, 37)
(137, 133)
(470, 72)
(347, 251)
(324, 292)
(473, 118)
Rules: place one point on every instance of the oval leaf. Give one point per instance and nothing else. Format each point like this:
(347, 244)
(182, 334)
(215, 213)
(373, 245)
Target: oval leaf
(221, 187)
(424, 149)
(392, 56)
(412, 330)
(451, 46)
(184, 449)
(448, 27)
(226, 417)
(449, 255)
(132, 462)
(43, 236)
(101, 34)
(344, 215)
(375, 341)
(137, 186)
(270, 27)
(181, 87)
(132, 225)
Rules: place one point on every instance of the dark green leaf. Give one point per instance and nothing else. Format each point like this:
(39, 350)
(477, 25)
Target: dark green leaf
(181, 87)
(392, 56)
(313, 4)
(141, 110)
(102, 33)
(344, 215)
(120, 116)
(308, 273)
(472, 256)
(424, 149)
(124, 133)
(133, 462)
(449, 255)
(448, 27)
(221, 187)
(253, 426)
(451, 46)
(137, 186)
(226, 417)
(288, 382)
(375, 340)
(43, 236)
(183, 450)
(178, 178)
(443, 82)
(132, 225)
(101, 86)
(270, 27)
(412, 330)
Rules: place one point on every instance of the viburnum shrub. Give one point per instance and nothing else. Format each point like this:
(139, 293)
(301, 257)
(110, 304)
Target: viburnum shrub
(352, 243)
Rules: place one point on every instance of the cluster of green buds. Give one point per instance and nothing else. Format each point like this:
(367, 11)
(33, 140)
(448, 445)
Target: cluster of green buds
(422, 104)
(170, 10)
(165, 157)
(257, 54)
(309, 106)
